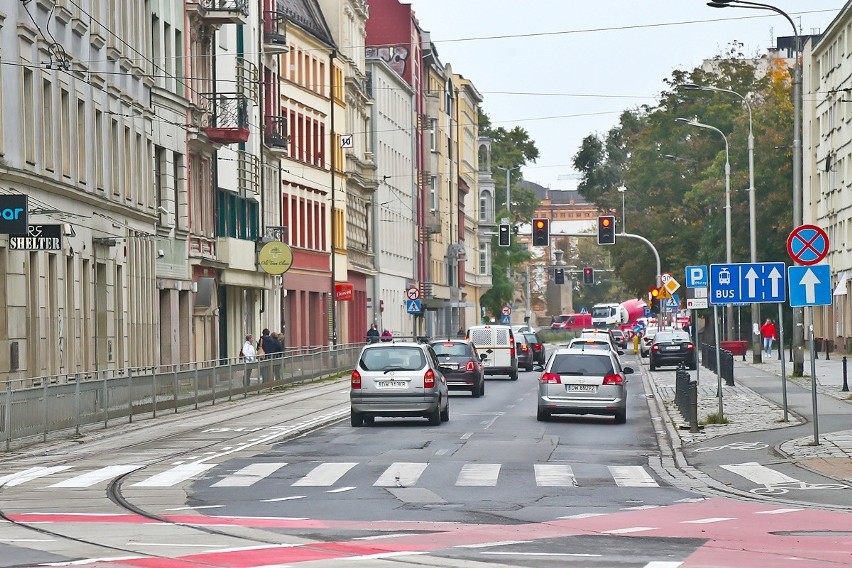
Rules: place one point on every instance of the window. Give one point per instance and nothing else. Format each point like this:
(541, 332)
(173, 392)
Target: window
(47, 124)
(99, 149)
(484, 258)
(29, 117)
(115, 158)
(82, 140)
(65, 132)
(433, 134)
(433, 193)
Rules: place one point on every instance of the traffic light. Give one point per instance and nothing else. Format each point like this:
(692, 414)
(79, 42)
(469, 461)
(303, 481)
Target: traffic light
(654, 296)
(606, 229)
(588, 275)
(540, 232)
(559, 276)
(503, 236)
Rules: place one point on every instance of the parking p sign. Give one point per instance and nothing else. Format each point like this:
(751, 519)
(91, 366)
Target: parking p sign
(696, 276)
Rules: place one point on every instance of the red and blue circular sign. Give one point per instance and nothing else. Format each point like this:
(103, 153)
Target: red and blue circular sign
(807, 244)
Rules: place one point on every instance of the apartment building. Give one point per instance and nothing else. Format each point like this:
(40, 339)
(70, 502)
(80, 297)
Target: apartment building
(827, 165)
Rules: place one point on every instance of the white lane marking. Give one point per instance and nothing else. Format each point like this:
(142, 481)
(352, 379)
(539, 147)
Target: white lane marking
(777, 511)
(545, 554)
(629, 530)
(479, 475)
(491, 422)
(707, 520)
(554, 475)
(381, 555)
(662, 564)
(26, 540)
(401, 474)
(97, 476)
(277, 499)
(196, 508)
(384, 536)
(30, 474)
(249, 475)
(132, 543)
(759, 474)
(466, 435)
(490, 544)
(341, 489)
(325, 474)
(175, 475)
(631, 476)
(641, 508)
(583, 516)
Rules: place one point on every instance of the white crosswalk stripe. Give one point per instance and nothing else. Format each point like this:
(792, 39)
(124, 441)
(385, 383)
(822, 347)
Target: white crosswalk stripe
(759, 474)
(631, 476)
(330, 474)
(325, 475)
(97, 476)
(554, 475)
(249, 475)
(479, 475)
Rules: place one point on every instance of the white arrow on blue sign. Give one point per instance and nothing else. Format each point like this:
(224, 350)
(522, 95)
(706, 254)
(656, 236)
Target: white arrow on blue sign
(747, 283)
(810, 285)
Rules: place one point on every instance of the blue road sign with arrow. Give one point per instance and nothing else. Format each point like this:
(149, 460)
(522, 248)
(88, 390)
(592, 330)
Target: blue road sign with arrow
(810, 285)
(746, 283)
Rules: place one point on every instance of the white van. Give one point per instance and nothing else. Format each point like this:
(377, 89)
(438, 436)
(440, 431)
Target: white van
(497, 344)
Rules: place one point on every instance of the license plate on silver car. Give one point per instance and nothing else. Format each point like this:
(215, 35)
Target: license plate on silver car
(581, 388)
(391, 384)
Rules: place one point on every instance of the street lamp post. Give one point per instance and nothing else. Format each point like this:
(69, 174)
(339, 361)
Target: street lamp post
(798, 313)
(756, 348)
(729, 324)
(508, 186)
(623, 190)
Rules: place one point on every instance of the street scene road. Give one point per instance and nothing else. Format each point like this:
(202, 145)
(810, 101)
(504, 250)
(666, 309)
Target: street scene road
(285, 480)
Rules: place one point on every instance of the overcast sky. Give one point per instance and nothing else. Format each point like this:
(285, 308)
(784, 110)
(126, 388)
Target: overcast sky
(582, 62)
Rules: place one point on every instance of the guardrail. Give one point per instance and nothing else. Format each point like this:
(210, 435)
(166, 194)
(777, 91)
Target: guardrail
(56, 405)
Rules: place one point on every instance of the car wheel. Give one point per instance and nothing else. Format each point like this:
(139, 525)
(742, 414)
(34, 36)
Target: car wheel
(369, 420)
(621, 417)
(513, 375)
(651, 364)
(529, 367)
(542, 415)
(356, 419)
(476, 390)
(482, 388)
(445, 414)
(435, 416)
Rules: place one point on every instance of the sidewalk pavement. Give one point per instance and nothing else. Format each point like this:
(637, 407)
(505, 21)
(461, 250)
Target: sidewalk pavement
(747, 410)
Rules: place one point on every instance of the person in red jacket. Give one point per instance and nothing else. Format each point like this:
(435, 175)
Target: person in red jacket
(767, 331)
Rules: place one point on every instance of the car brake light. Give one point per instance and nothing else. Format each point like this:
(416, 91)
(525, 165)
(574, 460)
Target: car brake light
(470, 366)
(613, 380)
(511, 351)
(690, 347)
(655, 348)
(525, 347)
(429, 379)
(550, 378)
(356, 379)
(537, 346)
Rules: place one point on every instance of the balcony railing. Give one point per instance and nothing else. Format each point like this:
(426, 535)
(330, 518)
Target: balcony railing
(228, 118)
(275, 133)
(218, 12)
(275, 32)
(248, 174)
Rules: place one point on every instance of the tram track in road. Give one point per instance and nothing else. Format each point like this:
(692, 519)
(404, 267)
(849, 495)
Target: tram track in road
(306, 411)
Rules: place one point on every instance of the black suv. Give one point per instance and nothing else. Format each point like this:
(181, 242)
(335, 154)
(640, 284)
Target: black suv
(618, 338)
(462, 365)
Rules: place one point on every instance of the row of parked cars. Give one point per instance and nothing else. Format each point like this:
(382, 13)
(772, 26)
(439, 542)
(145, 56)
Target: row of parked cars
(403, 378)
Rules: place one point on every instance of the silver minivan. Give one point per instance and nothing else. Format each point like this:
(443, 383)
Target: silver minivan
(398, 379)
(578, 381)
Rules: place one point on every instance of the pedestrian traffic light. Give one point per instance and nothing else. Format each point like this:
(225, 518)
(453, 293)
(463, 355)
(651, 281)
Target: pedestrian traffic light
(559, 276)
(504, 235)
(540, 232)
(588, 275)
(606, 229)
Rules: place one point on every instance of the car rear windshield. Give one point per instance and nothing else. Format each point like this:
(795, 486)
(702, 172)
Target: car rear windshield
(617, 333)
(671, 337)
(532, 338)
(452, 348)
(393, 358)
(582, 365)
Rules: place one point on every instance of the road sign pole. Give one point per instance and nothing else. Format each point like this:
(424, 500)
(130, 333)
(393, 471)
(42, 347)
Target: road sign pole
(783, 364)
(718, 360)
(813, 375)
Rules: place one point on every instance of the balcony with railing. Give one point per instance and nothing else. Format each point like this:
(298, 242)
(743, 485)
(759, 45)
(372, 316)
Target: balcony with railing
(229, 122)
(275, 136)
(248, 174)
(219, 12)
(275, 32)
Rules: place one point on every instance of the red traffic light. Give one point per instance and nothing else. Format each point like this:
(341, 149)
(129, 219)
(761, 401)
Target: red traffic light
(606, 222)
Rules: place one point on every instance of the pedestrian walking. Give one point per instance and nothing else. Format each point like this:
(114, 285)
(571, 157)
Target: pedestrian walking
(249, 356)
(271, 348)
(767, 331)
(279, 356)
(373, 334)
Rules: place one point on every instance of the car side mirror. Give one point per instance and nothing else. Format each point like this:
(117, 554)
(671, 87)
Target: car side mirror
(538, 367)
(621, 351)
(627, 370)
(483, 356)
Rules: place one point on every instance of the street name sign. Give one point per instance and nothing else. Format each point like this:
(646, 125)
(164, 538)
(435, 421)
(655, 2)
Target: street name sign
(696, 276)
(809, 285)
(747, 283)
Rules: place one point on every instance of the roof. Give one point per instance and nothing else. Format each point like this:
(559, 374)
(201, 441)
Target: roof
(307, 15)
(556, 196)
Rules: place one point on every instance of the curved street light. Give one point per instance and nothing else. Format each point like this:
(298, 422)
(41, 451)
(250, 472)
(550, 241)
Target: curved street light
(729, 325)
(798, 313)
(752, 208)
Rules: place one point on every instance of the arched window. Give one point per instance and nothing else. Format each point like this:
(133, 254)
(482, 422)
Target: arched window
(486, 207)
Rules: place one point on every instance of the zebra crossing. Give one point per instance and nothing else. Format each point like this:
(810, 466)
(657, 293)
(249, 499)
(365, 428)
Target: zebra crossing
(331, 474)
